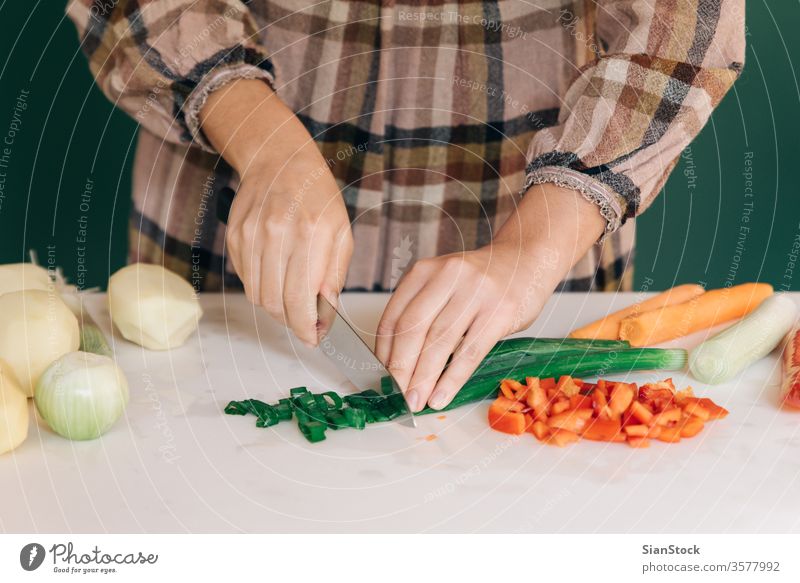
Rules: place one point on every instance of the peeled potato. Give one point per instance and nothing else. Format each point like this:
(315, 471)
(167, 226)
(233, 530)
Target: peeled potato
(36, 328)
(152, 306)
(21, 276)
(13, 410)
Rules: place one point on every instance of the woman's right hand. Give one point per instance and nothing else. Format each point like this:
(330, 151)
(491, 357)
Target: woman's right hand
(288, 232)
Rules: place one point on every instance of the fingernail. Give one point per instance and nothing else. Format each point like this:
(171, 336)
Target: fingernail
(438, 400)
(412, 399)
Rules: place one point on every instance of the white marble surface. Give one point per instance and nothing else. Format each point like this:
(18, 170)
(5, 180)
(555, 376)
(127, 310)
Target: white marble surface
(176, 463)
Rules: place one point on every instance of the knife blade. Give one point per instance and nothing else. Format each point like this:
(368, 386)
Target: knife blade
(353, 358)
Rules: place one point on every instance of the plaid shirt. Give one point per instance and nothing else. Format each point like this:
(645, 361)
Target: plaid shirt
(434, 116)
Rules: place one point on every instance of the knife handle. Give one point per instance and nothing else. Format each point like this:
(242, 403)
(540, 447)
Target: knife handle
(224, 203)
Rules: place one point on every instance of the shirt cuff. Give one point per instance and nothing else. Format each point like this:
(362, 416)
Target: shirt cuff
(611, 204)
(210, 83)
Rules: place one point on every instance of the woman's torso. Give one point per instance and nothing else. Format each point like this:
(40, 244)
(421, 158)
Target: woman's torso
(423, 112)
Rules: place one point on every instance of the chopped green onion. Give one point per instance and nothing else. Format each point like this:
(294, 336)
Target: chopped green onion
(236, 408)
(356, 418)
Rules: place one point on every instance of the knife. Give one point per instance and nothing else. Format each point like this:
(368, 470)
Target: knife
(339, 341)
(353, 358)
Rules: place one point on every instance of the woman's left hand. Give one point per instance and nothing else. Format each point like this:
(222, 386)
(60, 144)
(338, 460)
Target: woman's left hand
(462, 304)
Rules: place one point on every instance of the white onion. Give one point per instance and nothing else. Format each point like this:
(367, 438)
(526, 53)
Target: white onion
(81, 395)
(36, 327)
(152, 306)
(22, 276)
(13, 410)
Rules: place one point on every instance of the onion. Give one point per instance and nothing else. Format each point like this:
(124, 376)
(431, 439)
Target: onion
(81, 395)
(36, 327)
(13, 410)
(152, 306)
(22, 276)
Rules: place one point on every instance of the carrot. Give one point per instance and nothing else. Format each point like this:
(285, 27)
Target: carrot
(608, 328)
(701, 312)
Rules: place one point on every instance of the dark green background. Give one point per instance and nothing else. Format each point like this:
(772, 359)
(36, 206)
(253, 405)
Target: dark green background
(70, 134)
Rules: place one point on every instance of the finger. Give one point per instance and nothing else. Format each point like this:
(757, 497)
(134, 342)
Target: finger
(254, 275)
(304, 274)
(336, 272)
(245, 275)
(273, 274)
(411, 283)
(482, 335)
(231, 252)
(444, 336)
(413, 325)
(334, 281)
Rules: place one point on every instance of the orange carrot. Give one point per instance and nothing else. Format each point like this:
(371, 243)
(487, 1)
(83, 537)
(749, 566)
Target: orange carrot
(608, 328)
(701, 312)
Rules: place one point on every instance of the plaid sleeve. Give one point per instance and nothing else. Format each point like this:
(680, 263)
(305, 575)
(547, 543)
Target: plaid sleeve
(663, 67)
(159, 60)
